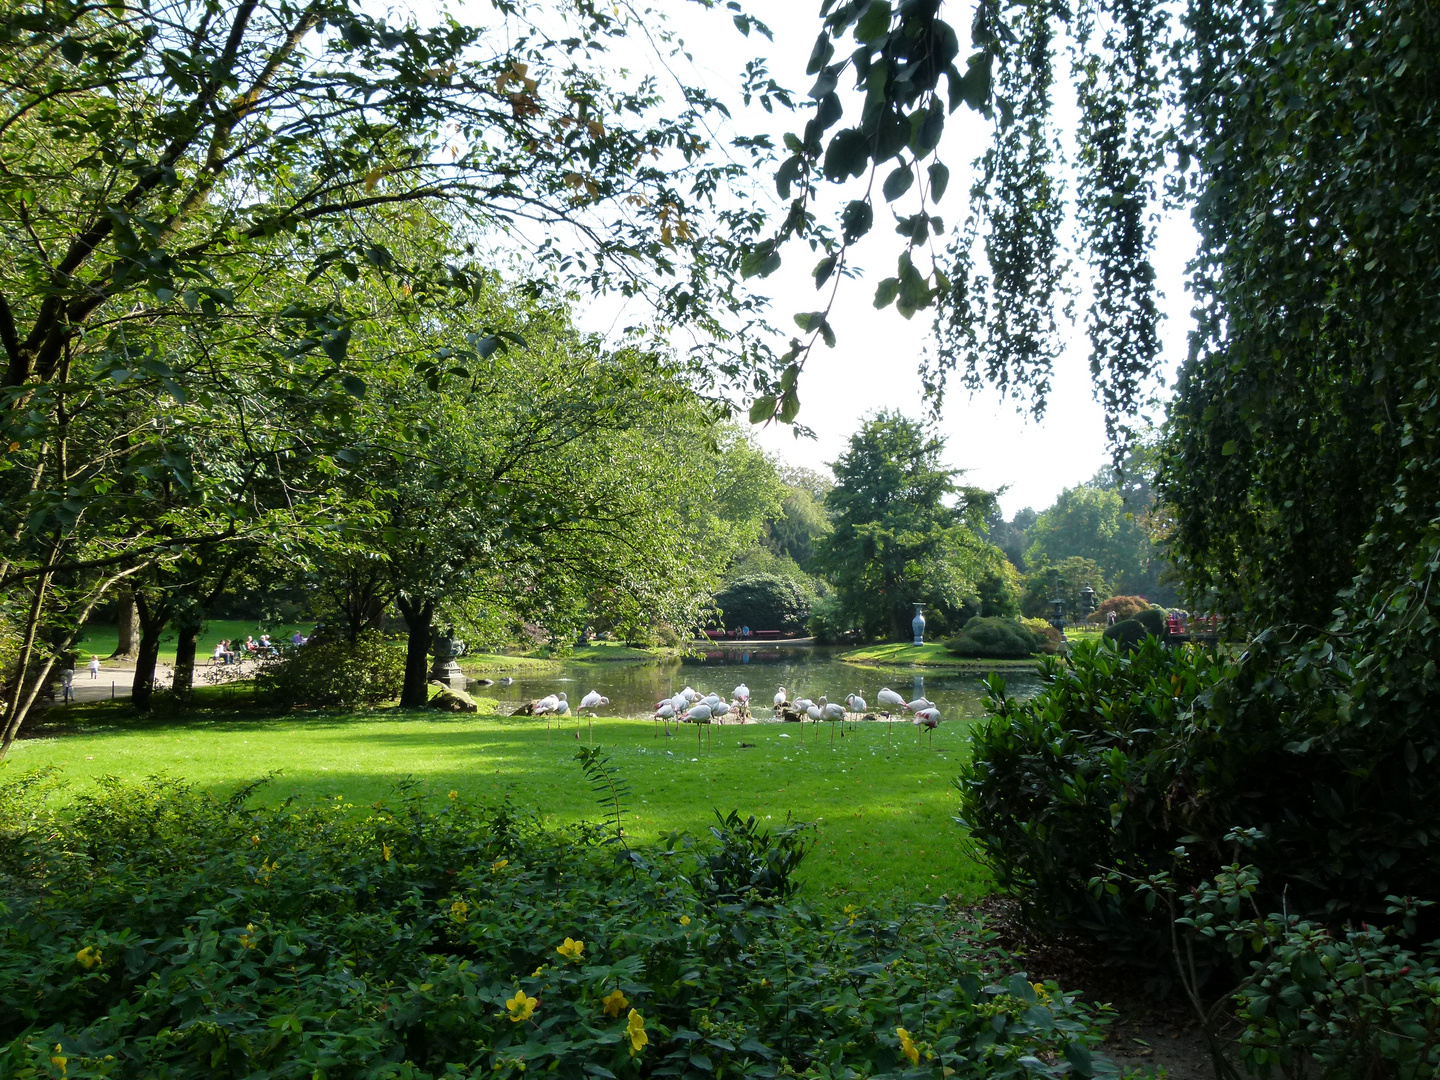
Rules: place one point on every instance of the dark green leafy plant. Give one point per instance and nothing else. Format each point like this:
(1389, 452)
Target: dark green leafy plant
(1128, 633)
(995, 638)
(764, 602)
(155, 930)
(333, 673)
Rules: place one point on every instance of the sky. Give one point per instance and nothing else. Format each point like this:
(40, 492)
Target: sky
(875, 363)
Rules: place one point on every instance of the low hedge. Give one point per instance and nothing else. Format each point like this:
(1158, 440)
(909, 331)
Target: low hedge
(154, 930)
(995, 639)
(333, 673)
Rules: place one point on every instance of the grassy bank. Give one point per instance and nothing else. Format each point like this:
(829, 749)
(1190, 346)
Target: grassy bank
(883, 801)
(930, 655)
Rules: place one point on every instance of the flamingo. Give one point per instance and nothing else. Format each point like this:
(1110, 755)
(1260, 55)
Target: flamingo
(918, 704)
(856, 704)
(832, 713)
(711, 699)
(781, 698)
(690, 693)
(551, 704)
(720, 710)
(927, 719)
(593, 701)
(698, 714)
(888, 700)
(665, 711)
(740, 698)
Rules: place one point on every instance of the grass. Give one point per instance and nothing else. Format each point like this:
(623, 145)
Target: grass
(930, 655)
(882, 803)
(101, 640)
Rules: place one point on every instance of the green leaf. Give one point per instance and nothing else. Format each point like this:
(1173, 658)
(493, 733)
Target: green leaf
(1229, 448)
(1078, 1054)
(823, 270)
(789, 406)
(820, 54)
(786, 175)
(939, 180)
(742, 23)
(847, 155)
(763, 409)
(874, 26)
(336, 344)
(354, 385)
(886, 292)
(72, 50)
(898, 182)
(856, 219)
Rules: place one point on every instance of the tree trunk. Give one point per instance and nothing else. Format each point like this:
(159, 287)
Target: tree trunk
(183, 681)
(418, 616)
(153, 617)
(127, 623)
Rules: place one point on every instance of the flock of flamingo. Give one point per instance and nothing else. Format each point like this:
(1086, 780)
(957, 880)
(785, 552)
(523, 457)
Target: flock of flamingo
(689, 706)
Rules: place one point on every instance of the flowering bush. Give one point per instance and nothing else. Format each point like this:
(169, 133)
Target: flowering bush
(153, 930)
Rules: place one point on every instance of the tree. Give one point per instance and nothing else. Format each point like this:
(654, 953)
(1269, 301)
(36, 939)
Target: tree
(765, 602)
(185, 188)
(1068, 580)
(1092, 522)
(802, 520)
(904, 531)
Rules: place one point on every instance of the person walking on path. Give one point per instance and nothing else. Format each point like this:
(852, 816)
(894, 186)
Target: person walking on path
(94, 666)
(67, 685)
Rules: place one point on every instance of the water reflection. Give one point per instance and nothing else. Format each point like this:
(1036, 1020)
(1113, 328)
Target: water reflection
(805, 671)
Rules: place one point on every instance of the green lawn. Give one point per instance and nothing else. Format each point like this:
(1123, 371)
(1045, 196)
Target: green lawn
(101, 640)
(883, 805)
(930, 655)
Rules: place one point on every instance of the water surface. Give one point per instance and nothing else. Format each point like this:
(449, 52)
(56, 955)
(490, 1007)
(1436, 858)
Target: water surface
(804, 671)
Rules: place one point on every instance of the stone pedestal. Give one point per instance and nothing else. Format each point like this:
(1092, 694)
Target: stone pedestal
(445, 670)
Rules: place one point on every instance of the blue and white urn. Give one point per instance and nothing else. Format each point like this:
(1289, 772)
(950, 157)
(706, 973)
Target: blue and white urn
(918, 625)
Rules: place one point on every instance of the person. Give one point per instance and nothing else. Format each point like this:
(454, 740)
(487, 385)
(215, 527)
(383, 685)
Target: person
(297, 638)
(1110, 618)
(67, 684)
(250, 646)
(94, 666)
(220, 653)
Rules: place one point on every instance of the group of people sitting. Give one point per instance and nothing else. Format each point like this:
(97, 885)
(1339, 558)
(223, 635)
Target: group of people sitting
(227, 652)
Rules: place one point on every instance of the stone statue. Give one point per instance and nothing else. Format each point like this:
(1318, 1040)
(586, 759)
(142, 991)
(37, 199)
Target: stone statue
(447, 649)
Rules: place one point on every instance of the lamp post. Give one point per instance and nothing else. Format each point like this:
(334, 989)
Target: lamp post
(1057, 603)
(1088, 603)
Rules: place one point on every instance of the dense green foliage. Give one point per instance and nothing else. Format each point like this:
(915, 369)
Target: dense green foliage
(1147, 622)
(994, 638)
(333, 672)
(764, 602)
(1124, 754)
(1067, 580)
(1093, 522)
(156, 931)
(904, 532)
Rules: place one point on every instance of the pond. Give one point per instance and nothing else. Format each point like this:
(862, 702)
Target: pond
(805, 671)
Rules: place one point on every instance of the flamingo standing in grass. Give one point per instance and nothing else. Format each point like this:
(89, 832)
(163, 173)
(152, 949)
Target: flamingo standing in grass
(781, 699)
(856, 704)
(664, 712)
(551, 705)
(720, 710)
(593, 701)
(889, 700)
(698, 714)
(832, 713)
(927, 720)
(740, 698)
(918, 704)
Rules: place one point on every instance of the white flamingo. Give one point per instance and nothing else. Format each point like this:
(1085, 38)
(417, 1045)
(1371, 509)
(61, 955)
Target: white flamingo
(551, 705)
(720, 710)
(831, 712)
(781, 697)
(741, 694)
(665, 712)
(698, 714)
(889, 700)
(856, 704)
(593, 701)
(918, 704)
(927, 720)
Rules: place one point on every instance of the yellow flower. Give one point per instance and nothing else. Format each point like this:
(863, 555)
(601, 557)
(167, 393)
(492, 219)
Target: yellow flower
(385, 850)
(454, 794)
(498, 865)
(88, 957)
(58, 1059)
(255, 840)
(849, 910)
(614, 1002)
(538, 972)
(458, 910)
(635, 1031)
(907, 1046)
(247, 939)
(684, 920)
(571, 949)
(521, 1007)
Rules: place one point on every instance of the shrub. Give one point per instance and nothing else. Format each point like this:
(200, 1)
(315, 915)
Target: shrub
(765, 602)
(1129, 633)
(1051, 638)
(1124, 755)
(157, 931)
(995, 639)
(334, 674)
(1124, 607)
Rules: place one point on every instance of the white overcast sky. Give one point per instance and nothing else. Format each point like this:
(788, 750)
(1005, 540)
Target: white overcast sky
(875, 364)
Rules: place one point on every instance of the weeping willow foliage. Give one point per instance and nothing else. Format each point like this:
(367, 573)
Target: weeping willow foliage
(1300, 448)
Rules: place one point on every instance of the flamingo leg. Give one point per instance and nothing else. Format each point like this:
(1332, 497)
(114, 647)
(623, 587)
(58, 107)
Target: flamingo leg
(591, 724)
